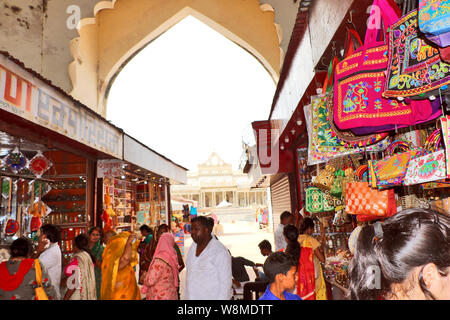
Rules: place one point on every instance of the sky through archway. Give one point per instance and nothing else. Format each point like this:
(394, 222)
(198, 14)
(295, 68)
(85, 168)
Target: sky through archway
(190, 92)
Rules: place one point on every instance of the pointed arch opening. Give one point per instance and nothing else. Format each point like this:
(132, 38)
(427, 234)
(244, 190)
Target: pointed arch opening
(120, 29)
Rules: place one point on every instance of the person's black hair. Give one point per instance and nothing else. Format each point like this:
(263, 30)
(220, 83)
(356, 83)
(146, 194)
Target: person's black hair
(202, 220)
(276, 263)
(82, 243)
(20, 248)
(163, 226)
(95, 229)
(293, 247)
(265, 244)
(285, 215)
(51, 232)
(146, 228)
(306, 224)
(210, 223)
(411, 238)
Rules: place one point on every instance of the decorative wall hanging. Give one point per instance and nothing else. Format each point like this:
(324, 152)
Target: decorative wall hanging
(39, 164)
(12, 226)
(16, 161)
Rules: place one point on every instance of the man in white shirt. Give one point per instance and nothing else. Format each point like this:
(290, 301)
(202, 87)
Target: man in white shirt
(208, 265)
(50, 256)
(280, 242)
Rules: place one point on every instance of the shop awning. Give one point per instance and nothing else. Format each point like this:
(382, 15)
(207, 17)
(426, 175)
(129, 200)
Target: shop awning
(137, 153)
(32, 105)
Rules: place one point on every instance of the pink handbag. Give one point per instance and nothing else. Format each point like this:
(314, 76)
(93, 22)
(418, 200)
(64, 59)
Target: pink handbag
(360, 79)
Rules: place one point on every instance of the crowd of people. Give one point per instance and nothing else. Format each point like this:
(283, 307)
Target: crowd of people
(411, 251)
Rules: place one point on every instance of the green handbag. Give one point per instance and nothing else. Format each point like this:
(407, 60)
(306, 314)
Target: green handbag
(318, 201)
(336, 187)
(314, 200)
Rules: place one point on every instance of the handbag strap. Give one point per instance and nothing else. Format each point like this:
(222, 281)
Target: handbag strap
(433, 141)
(329, 79)
(398, 144)
(353, 42)
(408, 6)
(37, 266)
(386, 12)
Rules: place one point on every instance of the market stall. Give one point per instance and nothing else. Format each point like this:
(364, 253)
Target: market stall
(377, 131)
(132, 196)
(41, 185)
(48, 147)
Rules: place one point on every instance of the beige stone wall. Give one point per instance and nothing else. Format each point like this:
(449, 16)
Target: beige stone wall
(21, 30)
(36, 32)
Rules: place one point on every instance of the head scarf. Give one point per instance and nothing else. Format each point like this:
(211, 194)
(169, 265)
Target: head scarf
(165, 251)
(97, 246)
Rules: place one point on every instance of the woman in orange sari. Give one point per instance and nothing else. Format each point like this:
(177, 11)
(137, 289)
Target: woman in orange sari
(310, 284)
(119, 258)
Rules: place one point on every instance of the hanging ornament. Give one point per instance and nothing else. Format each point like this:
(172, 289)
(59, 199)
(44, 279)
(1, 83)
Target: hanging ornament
(38, 209)
(45, 188)
(16, 161)
(12, 226)
(36, 224)
(39, 164)
(5, 189)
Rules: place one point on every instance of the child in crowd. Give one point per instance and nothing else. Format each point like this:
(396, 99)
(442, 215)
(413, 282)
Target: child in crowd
(281, 269)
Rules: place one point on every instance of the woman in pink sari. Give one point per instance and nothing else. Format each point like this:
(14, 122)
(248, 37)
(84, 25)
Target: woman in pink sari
(161, 280)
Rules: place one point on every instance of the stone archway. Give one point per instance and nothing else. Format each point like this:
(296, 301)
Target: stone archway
(121, 28)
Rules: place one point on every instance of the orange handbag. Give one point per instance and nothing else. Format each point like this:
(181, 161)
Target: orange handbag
(360, 199)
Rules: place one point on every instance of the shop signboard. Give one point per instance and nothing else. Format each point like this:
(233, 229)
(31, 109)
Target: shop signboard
(26, 96)
(109, 168)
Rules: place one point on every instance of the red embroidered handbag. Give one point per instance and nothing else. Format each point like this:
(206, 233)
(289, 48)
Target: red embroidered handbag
(360, 78)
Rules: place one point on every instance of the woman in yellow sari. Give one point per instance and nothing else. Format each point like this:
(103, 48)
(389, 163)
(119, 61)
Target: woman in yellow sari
(119, 258)
(311, 275)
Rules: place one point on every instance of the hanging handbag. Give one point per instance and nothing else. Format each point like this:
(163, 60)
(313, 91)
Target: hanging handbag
(434, 21)
(360, 199)
(324, 178)
(429, 167)
(415, 68)
(314, 200)
(445, 54)
(436, 111)
(321, 130)
(347, 137)
(391, 170)
(318, 201)
(360, 78)
(39, 290)
(445, 125)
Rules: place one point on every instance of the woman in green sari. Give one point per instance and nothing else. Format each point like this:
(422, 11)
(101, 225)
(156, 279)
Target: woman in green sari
(95, 236)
